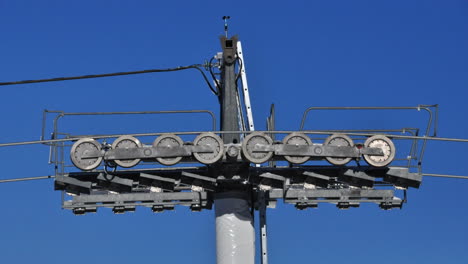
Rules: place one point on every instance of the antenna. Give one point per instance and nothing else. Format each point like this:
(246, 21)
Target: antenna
(225, 18)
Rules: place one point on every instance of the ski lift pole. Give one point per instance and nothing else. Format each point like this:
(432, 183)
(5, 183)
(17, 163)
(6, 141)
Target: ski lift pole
(235, 233)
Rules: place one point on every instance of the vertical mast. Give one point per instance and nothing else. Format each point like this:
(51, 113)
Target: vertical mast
(228, 93)
(235, 234)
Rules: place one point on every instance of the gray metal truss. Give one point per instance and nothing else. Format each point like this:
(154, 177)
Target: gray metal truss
(304, 186)
(120, 203)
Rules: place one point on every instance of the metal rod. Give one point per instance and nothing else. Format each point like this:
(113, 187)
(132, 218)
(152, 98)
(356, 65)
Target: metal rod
(44, 120)
(424, 107)
(271, 127)
(225, 132)
(444, 176)
(62, 114)
(27, 179)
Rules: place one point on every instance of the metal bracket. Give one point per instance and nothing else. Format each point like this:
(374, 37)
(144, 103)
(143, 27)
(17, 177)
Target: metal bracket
(318, 150)
(127, 202)
(148, 152)
(245, 88)
(262, 203)
(343, 198)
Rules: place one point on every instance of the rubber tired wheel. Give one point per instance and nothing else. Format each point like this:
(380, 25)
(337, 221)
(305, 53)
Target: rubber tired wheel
(214, 142)
(168, 140)
(297, 139)
(83, 147)
(248, 146)
(387, 146)
(338, 140)
(126, 142)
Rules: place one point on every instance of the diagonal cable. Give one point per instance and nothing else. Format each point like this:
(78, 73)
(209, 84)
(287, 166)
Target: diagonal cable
(91, 76)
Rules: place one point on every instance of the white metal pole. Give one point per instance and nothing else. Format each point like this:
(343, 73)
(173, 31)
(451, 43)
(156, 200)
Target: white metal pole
(235, 233)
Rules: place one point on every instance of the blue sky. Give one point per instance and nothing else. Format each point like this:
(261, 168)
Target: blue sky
(297, 54)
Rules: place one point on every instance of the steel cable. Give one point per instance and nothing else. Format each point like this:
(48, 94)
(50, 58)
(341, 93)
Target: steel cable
(58, 79)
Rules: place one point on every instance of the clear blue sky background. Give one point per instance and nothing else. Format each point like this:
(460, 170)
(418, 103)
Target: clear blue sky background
(298, 54)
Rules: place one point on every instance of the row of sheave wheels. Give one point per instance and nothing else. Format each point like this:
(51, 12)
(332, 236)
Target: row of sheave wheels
(300, 139)
(86, 146)
(250, 144)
